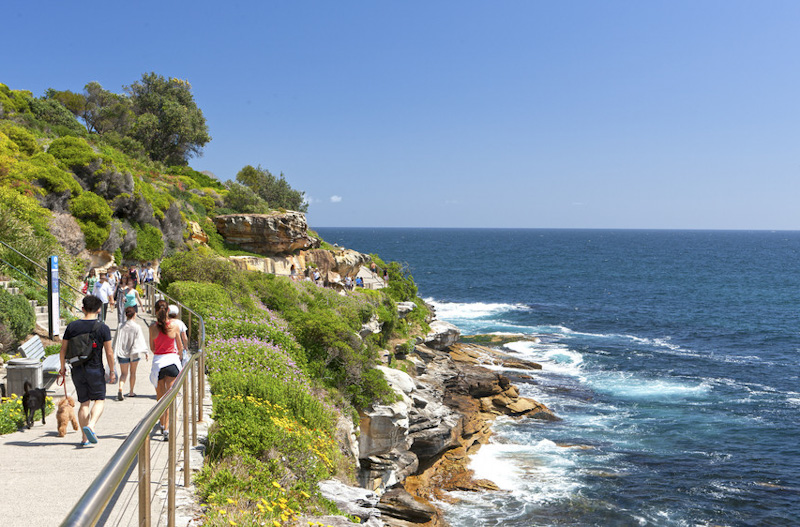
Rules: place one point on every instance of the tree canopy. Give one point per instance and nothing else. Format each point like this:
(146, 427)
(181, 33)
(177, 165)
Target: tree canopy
(275, 191)
(156, 115)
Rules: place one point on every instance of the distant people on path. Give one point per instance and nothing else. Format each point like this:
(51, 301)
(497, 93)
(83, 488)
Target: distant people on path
(293, 273)
(173, 312)
(130, 346)
(373, 269)
(89, 378)
(114, 277)
(359, 281)
(166, 345)
(104, 291)
(89, 281)
(317, 276)
(133, 274)
(348, 283)
(149, 274)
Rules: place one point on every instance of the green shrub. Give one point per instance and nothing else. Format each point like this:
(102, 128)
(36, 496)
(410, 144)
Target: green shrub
(25, 140)
(51, 177)
(205, 299)
(203, 266)
(72, 152)
(16, 314)
(149, 244)
(94, 217)
(14, 101)
(401, 287)
(57, 116)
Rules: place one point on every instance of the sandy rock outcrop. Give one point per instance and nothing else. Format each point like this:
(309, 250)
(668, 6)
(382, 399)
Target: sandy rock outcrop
(344, 262)
(442, 335)
(274, 233)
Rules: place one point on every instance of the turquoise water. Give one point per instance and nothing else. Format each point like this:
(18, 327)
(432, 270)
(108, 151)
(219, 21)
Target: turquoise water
(671, 357)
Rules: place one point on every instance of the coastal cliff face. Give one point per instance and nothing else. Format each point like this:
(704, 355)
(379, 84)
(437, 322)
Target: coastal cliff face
(418, 448)
(269, 234)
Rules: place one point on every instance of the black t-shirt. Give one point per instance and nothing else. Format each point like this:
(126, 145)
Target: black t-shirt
(102, 335)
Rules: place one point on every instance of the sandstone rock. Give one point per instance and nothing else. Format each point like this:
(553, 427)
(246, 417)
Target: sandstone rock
(372, 327)
(353, 501)
(275, 233)
(398, 380)
(398, 503)
(442, 335)
(196, 233)
(338, 521)
(404, 308)
(383, 429)
(344, 262)
(478, 382)
(385, 470)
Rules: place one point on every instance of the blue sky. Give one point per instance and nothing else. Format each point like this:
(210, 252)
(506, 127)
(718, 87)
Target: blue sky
(580, 114)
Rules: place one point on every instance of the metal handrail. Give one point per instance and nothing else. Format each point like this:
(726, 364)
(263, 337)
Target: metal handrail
(93, 503)
(66, 303)
(37, 264)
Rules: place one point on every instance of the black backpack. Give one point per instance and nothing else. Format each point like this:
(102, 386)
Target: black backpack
(81, 347)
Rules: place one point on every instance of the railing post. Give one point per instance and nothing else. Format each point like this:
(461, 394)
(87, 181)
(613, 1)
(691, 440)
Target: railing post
(186, 477)
(192, 374)
(201, 385)
(144, 484)
(172, 460)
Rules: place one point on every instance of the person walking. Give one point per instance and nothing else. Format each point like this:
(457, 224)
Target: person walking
(104, 291)
(89, 377)
(132, 298)
(167, 347)
(130, 346)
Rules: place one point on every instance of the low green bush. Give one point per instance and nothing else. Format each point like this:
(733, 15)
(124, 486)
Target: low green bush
(16, 314)
(72, 152)
(149, 244)
(94, 217)
(25, 140)
(205, 299)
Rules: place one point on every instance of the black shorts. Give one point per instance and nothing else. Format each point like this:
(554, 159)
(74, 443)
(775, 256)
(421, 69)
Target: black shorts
(168, 371)
(90, 383)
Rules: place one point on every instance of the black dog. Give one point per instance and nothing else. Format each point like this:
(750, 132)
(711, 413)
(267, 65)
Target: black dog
(34, 399)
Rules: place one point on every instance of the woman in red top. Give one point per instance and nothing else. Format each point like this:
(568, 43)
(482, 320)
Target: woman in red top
(167, 348)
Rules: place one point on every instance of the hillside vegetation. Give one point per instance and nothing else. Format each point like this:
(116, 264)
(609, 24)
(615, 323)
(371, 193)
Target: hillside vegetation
(288, 362)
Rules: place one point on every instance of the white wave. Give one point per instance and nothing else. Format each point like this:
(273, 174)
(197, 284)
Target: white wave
(630, 387)
(542, 472)
(553, 357)
(471, 310)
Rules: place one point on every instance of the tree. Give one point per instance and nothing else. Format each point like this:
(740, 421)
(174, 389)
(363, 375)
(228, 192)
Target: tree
(275, 191)
(168, 122)
(101, 110)
(242, 199)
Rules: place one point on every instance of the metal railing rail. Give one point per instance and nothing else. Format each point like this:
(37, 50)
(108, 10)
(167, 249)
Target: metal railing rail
(40, 266)
(191, 381)
(64, 302)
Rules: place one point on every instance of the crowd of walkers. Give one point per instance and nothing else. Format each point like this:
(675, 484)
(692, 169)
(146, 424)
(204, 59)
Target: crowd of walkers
(166, 341)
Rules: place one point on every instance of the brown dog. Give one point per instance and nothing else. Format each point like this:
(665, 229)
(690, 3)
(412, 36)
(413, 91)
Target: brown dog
(65, 415)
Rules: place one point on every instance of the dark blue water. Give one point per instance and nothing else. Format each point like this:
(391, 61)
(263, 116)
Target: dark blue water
(671, 356)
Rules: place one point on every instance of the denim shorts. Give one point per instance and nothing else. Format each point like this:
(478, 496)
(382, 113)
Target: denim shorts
(123, 360)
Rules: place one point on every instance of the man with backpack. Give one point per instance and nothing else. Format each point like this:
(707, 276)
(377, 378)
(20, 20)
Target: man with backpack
(82, 348)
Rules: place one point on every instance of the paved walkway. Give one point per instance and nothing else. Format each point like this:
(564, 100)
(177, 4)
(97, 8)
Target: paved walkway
(43, 476)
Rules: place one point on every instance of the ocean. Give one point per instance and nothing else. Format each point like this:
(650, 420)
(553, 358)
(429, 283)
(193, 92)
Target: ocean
(671, 358)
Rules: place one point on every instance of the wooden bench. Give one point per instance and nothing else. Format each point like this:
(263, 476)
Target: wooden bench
(34, 349)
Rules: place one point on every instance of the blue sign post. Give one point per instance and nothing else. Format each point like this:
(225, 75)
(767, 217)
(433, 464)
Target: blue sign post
(53, 311)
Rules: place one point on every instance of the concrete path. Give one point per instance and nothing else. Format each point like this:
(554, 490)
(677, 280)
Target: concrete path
(43, 475)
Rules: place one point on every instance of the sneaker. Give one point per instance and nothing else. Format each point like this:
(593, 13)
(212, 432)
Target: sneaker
(166, 435)
(157, 429)
(119, 396)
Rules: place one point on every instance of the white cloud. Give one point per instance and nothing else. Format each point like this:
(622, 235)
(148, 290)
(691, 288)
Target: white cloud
(336, 199)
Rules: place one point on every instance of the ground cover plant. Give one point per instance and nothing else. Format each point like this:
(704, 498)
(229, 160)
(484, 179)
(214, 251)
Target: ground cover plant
(273, 437)
(12, 416)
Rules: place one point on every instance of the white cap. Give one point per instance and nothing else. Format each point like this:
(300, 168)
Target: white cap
(173, 309)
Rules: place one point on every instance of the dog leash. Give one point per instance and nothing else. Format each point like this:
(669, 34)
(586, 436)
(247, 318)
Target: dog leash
(61, 380)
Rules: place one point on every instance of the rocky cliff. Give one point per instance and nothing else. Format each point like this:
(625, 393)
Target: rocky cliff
(416, 449)
(268, 234)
